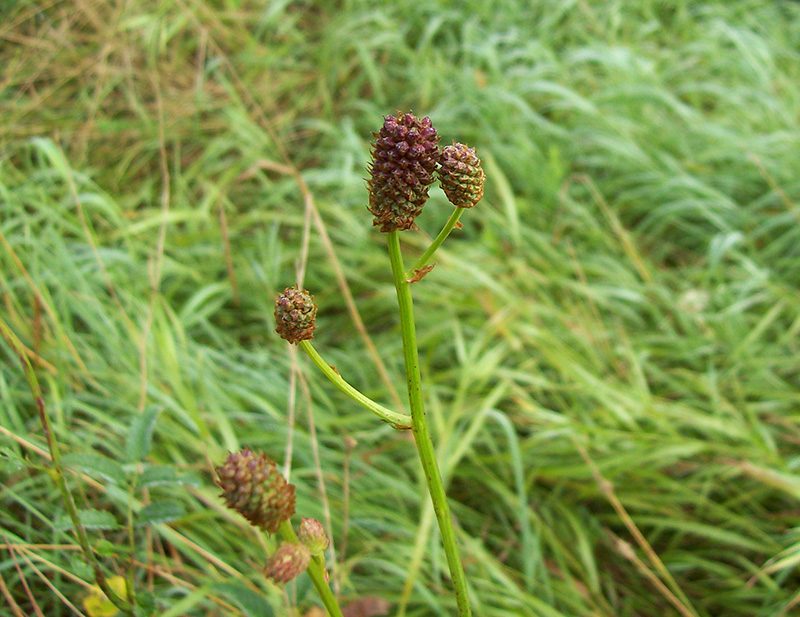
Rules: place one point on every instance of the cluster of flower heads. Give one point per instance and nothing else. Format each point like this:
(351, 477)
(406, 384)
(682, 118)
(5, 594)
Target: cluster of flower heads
(406, 158)
(252, 486)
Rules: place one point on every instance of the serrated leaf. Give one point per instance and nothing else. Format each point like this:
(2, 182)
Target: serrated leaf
(158, 475)
(95, 465)
(89, 518)
(140, 435)
(166, 475)
(252, 603)
(189, 478)
(164, 511)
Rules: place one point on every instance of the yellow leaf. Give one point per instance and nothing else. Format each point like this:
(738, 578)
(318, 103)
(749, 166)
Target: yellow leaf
(96, 604)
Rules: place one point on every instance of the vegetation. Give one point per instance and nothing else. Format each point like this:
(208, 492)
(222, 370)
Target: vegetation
(609, 346)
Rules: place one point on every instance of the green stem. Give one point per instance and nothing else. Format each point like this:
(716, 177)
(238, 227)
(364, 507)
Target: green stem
(55, 471)
(400, 421)
(422, 435)
(437, 242)
(317, 573)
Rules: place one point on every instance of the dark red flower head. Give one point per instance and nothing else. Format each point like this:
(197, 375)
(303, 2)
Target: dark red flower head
(404, 159)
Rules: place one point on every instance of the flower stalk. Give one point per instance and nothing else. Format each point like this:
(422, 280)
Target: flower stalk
(316, 571)
(425, 258)
(406, 160)
(56, 473)
(400, 421)
(422, 436)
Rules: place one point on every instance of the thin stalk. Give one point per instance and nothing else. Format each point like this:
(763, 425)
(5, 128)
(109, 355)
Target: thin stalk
(437, 242)
(316, 571)
(55, 471)
(419, 426)
(400, 421)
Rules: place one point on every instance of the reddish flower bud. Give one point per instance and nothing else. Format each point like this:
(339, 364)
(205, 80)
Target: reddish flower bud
(461, 175)
(312, 534)
(287, 562)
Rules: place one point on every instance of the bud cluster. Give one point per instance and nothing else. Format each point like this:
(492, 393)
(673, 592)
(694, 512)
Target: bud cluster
(405, 160)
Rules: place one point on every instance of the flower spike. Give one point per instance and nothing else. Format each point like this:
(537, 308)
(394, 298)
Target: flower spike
(295, 315)
(461, 175)
(252, 485)
(404, 159)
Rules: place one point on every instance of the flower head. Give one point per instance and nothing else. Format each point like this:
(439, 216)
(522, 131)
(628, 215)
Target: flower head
(252, 485)
(461, 175)
(287, 562)
(312, 534)
(404, 159)
(295, 315)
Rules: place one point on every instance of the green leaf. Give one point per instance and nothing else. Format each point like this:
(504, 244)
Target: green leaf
(184, 605)
(166, 475)
(95, 465)
(189, 478)
(164, 511)
(252, 603)
(10, 461)
(79, 567)
(105, 548)
(140, 436)
(89, 518)
(158, 475)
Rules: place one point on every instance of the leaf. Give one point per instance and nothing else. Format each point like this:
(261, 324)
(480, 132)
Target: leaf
(158, 475)
(10, 461)
(166, 475)
(787, 482)
(79, 567)
(253, 604)
(95, 465)
(96, 604)
(140, 435)
(420, 272)
(89, 518)
(164, 511)
(189, 478)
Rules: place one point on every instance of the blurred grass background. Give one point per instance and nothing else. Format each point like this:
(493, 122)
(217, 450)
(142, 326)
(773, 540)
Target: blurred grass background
(609, 345)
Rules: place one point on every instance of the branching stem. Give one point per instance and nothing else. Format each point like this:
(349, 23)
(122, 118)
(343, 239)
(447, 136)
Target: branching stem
(399, 421)
(437, 242)
(422, 435)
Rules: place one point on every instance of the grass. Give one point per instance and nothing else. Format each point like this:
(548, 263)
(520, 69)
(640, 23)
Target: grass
(609, 346)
